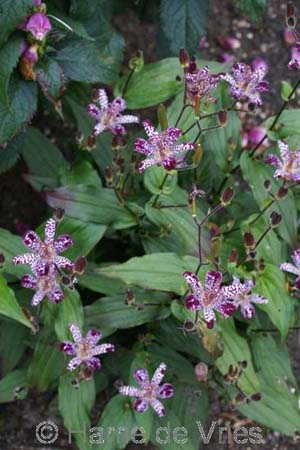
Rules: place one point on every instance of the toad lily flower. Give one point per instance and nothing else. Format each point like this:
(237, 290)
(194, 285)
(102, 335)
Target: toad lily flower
(39, 25)
(208, 298)
(200, 82)
(109, 116)
(45, 285)
(288, 167)
(45, 252)
(240, 294)
(85, 349)
(247, 84)
(149, 390)
(293, 268)
(161, 148)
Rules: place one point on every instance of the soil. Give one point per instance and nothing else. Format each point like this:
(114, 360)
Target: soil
(21, 205)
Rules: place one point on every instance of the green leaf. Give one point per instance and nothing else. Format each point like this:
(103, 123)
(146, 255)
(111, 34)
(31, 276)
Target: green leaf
(154, 178)
(75, 407)
(50, 77)
(9, 55)
(10, 153)
(154, 84)
(22, 97)
(81, 61)
(12, 245)
(285, 90)
(100, 283)
(183, 23)
(159, 271)
(278, 409)
(13, 386)
(9, 306)
(111, 313)
(81, 173)
(95, 205)
(253, 8)
(69, 311)
(46, 365)
(83, 8)
(42, 156)
(256, 173)
(11, 331)
(287, 125)
(236, 349)
(280, 308)
(11, 15)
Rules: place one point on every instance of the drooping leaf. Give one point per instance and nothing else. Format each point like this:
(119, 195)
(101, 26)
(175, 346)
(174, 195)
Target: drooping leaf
(9, 306)
(183, 23)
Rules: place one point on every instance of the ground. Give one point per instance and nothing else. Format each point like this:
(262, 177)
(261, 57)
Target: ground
(20, 205)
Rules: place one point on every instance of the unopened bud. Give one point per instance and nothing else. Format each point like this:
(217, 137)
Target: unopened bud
(290, 15)
(108, 175)
(66, 281)
(79, 138)
(80, 265)
(227, 196)
(130, 297)
(233, 257)
(184, 58)
(252, 254)
(243, 364)
(118, 142)
(162, 117)
(201, 372)
(136, 63)
(256, 397)
(249, 240)
(178, 79)
(222, 116)
(282, 192)
(75, 383)
(267, 185)
(59, 214)
(261, 265)
(27, 314)
(275, 219)
(91, 142)
(87, 374)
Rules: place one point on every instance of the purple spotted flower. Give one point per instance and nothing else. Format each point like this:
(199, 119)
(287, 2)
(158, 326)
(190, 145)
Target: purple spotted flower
(247, 84)
(208, 298)
(295, 58)
(200, 82)
(38, 24)
(295, 267)
(161, 148)
(45, 285)
(85, 349)
(109, 115)
(288, 167)
(47, 252)
(240, 294)
(149, 391)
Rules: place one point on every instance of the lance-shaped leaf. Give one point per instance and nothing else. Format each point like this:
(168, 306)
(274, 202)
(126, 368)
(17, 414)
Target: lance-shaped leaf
(13, 386)
(9, 306)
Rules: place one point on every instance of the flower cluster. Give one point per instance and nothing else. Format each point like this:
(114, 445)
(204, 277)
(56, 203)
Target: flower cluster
(161, 147)
(247, 84)
(288, 167)
(85, 349)
(226, 300)
(200, 82)
(109, 115)
(149, 391)
(45, 262)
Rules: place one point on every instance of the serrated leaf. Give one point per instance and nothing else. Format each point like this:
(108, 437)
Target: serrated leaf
(9, 55)
(11, 15)
(22, 97)
(50, 78)
(9, 306)
(183, 23)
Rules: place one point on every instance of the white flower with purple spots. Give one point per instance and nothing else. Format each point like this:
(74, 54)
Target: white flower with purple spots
(200, 82)
(109, 115)
(45, 285)
(288, 165)
(161, 148)
(149, 391)
(208, 298)
(84, 350)
(295, 267)
(247, 84)
(47, 252)
(240, 294)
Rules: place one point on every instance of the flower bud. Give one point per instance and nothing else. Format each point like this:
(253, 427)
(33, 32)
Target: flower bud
(201, 372)
(130, 297)
(87, 374)
(290, 15)
(227, 196)
(288, 37)
(249, 240)
(282, 192)
(108, 175)
(79, 138)
(256, 397)
(243, 364)
(59, 214)
(222, 116)
(118, 142)
(136, 63)
(66, 281)
(228, 43)
(275, 219)
(259, 63)
(267, 185)
(261, 265)
(80, 265)
(91, 143)
(184, 58)
(233, 257)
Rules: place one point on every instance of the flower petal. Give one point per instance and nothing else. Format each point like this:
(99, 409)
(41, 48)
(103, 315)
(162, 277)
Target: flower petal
(141, 146)
(56, 295)
(184, 147)
(166, 391)
(74, 363)
(193, 282)
(131, 391)
(141, 376)
(93, 363)
(50, 229)
(129, 118)
(248, 311)
(37, 298)
(193, 303)
(32, 241)
(288, 267)
(159, 374)
(29, 282)
(141, 405)
(158, 407)
(150, 129)
(119, 104)
(76, 333)
(209, 317)
(146, 163)
(213, 279)
(103, 100)
(296, 257)
(94, 111)
(65, 263)
(104, 348)
(62, 243)
(26, 258)
(93, 336)
(68, 348)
